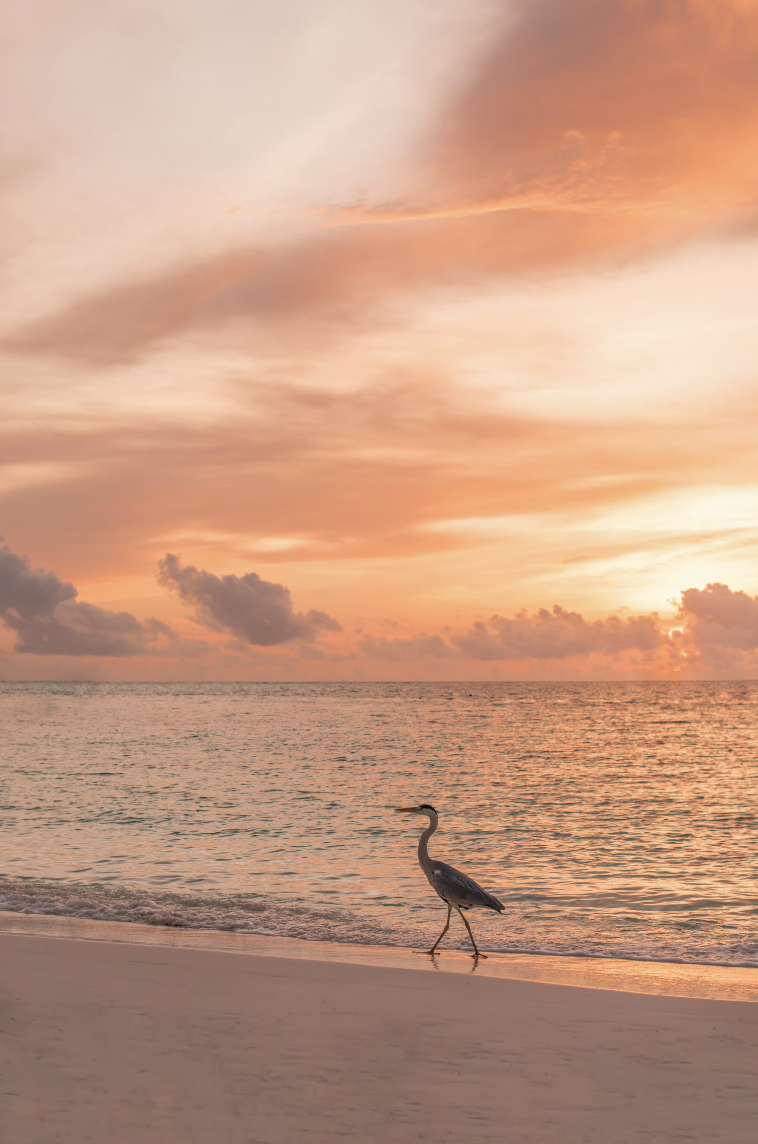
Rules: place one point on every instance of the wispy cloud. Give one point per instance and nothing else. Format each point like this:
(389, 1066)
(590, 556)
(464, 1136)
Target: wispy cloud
(320, 287)
(590, 126)
(611, 104)
(376, 473)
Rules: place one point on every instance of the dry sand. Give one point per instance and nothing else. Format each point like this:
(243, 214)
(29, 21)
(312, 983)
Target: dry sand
(125, 1044)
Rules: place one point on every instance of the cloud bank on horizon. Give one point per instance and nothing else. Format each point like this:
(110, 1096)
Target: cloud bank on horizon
(47, 619)
(716, 627)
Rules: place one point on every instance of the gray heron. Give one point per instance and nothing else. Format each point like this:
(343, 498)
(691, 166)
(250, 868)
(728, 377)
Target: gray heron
(457, 890)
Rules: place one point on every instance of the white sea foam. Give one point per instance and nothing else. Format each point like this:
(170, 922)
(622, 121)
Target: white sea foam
(283, 920)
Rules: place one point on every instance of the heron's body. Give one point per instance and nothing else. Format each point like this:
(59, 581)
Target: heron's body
(456, 889)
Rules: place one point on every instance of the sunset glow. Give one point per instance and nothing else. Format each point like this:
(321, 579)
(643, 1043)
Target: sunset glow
(380, 341)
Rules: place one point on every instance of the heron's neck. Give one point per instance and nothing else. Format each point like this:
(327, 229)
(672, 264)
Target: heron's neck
(423, 854)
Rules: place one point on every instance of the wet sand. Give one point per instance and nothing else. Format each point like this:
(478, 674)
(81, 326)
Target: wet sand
(124, 1044)
(673, 979)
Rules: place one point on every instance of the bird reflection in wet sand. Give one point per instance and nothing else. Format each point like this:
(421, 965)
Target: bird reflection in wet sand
(457, 890)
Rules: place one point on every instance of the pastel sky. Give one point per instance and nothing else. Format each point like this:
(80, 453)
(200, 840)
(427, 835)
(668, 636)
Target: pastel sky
(379, 340)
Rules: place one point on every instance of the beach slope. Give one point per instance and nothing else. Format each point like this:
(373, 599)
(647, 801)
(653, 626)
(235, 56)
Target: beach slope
(135, 1044)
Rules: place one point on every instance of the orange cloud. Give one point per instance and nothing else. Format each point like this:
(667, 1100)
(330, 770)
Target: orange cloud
(642, 106)
(325, 286)
(590, 127)
(353, 475)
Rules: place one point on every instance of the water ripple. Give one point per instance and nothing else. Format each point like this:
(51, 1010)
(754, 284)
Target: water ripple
(611, 819)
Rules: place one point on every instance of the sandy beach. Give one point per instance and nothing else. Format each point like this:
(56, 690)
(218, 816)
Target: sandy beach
(130, 1043)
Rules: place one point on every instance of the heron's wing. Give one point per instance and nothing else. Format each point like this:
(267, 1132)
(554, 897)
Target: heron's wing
(461, 890)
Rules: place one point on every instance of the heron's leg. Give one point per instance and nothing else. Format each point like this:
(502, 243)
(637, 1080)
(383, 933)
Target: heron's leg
(468, 927)
(447, 927)
(439, 939)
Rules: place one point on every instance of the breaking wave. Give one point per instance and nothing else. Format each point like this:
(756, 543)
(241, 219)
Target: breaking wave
(298, 920)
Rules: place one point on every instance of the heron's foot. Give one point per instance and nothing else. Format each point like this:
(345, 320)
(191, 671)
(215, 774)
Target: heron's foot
(428, 952)
(477, 956)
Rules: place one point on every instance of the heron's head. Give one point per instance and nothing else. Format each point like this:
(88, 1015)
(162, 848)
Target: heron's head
(425, 808)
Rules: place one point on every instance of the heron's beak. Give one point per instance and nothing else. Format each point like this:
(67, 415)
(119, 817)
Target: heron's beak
(406, 810)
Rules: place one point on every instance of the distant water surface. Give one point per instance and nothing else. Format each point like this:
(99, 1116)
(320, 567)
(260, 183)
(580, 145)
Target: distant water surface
(613, 819)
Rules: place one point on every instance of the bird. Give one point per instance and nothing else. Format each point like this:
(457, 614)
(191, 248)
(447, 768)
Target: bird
(457, 890)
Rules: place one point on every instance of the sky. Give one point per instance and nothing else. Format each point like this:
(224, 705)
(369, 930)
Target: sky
(379, 340)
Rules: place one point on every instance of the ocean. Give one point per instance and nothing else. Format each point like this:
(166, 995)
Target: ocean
(613, 820)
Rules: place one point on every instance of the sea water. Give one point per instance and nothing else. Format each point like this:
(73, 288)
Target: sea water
(611, 819)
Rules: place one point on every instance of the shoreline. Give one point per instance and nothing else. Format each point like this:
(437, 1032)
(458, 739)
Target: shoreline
(662, 979)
